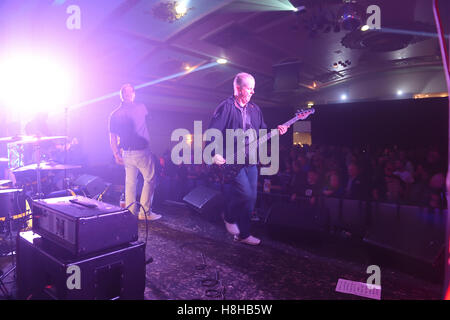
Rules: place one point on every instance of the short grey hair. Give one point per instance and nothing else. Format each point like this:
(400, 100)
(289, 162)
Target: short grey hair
(239, 79)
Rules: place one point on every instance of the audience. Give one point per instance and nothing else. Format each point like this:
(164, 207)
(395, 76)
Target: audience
(389, 174)
(355, 187)
(333, 186)
(311, 189)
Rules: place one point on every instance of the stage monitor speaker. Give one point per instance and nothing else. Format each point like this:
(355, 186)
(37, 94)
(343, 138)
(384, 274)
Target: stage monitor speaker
(204, 200)
(46, 272)
(288, 219)
(91, 184)
(411, 231)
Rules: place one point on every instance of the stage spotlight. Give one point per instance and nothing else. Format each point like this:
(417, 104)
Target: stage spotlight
(343, 96)
(33, 84)
(349, 15)
(186, 66)
(181, 9)
(399, 92)
(365, 27)
(298, 9)
(222, 61)
(170, 11)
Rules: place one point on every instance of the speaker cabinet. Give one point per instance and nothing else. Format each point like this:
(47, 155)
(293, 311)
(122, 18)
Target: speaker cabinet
(91, 184)
(45, 272)
(204, 200)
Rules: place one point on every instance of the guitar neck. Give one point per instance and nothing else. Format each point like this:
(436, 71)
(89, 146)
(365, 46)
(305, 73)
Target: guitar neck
(300, 115)
(269, 135)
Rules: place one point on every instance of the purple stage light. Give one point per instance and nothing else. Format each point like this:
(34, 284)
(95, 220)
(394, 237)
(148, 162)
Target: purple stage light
(34, 84)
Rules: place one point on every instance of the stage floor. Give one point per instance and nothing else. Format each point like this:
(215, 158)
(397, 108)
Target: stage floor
(302, 268)
(295, 269)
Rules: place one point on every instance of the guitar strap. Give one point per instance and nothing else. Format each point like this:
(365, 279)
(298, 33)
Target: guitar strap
(246, 124)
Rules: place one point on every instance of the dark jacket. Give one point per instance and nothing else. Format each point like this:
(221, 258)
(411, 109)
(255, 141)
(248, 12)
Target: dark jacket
(228, 116)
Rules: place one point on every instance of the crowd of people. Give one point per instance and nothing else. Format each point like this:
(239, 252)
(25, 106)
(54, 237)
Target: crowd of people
(386, 174)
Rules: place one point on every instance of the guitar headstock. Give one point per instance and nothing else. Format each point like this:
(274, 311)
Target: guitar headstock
(304, 113)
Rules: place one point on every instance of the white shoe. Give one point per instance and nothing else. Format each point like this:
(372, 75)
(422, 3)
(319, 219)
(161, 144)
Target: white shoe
(232, 228)
(251, 240)
(152, 216)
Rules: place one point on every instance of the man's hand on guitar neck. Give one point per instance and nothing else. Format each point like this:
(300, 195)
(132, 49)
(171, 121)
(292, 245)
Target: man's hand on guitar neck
(282, 129)
(218, 159)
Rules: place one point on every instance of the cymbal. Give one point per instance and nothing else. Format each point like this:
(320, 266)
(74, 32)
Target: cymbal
(34, 139)
(47, 166)
(5, 184)
(10, 190)
(11, 139)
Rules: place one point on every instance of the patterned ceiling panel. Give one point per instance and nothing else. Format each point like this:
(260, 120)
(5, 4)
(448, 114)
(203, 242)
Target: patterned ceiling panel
(141, 20)
(164, 62)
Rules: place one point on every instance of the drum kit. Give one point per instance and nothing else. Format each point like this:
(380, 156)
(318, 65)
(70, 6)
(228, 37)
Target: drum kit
(25, 154)
(26, 163)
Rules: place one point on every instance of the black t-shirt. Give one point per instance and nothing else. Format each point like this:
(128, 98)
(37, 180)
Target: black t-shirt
(123, 124)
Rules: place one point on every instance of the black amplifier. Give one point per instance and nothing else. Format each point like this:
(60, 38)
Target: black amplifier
(47, 271)
(82, 225)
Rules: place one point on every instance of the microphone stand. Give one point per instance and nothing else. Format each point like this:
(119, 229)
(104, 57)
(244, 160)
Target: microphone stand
(66, 117)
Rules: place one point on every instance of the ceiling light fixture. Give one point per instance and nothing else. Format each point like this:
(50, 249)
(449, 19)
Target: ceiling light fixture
(170, 11)
(299, 8)
(181, 9)
(222, 61)
(350, 15)
(186, 66)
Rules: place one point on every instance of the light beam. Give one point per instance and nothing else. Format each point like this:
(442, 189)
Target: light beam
(259, 5)
(143, 85)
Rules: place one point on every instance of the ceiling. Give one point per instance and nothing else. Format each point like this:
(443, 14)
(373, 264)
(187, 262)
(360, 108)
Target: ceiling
(291, 54)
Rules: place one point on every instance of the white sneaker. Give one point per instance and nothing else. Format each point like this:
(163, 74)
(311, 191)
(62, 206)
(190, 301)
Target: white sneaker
(152, 216)
(251, 240)
(232, 228)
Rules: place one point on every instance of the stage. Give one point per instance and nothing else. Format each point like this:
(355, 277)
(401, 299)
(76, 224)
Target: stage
(191, 251)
